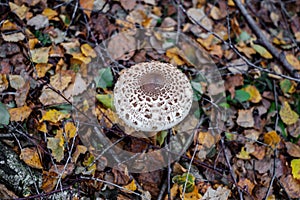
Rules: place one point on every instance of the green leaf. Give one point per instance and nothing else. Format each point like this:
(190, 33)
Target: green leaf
(242, 95)
(105, 78)
(106, 99)
(187, 178)
(197, 87)
(160, 138)
(244, 36)
(286, 85)
(4, 115)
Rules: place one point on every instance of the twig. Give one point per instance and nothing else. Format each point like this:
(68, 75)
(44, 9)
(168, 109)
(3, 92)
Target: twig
(230, 169)
(280, 56)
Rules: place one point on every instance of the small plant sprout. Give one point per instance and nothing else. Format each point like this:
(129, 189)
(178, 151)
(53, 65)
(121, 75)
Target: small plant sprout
(152, 96)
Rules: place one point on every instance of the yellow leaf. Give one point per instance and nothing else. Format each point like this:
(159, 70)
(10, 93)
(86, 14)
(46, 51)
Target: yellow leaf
(131, 186)
(80, 149)
(272, 138)
(243, 154)
(293, 61)
(262, 51)
(82, 58)
(87, 50)
(42, 127)
(48, 12)
(42, 68)
(89, 162)
(40, 55)
(54, 116)
(18, 10)
(70, 130)
(194, 195)
(287, 115)
(255, 96)
(172, 53)
(19, 114)
(295, 164)
(31, 157)
(8, 26)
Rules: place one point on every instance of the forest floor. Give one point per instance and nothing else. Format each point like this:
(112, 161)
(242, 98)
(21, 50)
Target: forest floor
(60, 60)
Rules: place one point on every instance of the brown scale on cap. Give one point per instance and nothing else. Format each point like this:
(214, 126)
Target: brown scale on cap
(152, 96)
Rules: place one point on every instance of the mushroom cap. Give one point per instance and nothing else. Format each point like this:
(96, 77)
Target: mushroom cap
(152, 96)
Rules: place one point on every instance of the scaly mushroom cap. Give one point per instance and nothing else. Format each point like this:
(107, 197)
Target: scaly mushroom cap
(152, 96)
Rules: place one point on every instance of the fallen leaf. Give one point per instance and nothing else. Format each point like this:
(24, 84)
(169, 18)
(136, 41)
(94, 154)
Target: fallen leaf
(193, 195)
(40, 55)
(272, 138)
(8, 26)
(295, 164)
(42, 69)
(87, 50)
(70, 130)
(216, 13)
(243, 154)
(221, 193)
(291, 186)
(19, 114)
(238, 66)
(287, 115)
(3, 82)
(31, 157)
(48, 12)
(131, 186)
(54, 116)
(4, 115)
(20, 11)
(39, 21)
(56, 145)
(246, 184)
(245, 118)
(128, 4)
(288, 86)
(14, 37)
(82, 58)
(122, 46)
(87, 6)
(106, 99)
(200, 16)
(293, 149)
(255, 96)
(262, 51)
(80, 149)
(293, 61)
(16, 81)
(61, 80)
(186, 179)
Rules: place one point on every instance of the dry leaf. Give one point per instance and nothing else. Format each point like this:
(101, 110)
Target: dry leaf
(291, 186)
(243, 154)
(70, 130)
(56, 145)
(87, 6)
(61, 80)
(293, 61)
(255, 96)
(14, 37)
(199, 16)
(48, 12)
(19, 114)
(128, 4)
(31, 157)
(3, 82)
(131, 186)
(122, 46)
(20, 11)
(54, 116)
(42, 68)
(221, 193)
(38, 21)
(80, 149)
(8, 26)
(245, 118)
(287, 115)
(272, 138)
(87, 50)
(293, 149)
(40, 55)
(246, 184)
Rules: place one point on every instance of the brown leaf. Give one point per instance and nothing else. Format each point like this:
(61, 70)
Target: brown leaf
(31, 157)
(245, 118)
(246, 184)
(122, 46)
(293, 149)
(291, 186)
(19, 114)
(128, 4)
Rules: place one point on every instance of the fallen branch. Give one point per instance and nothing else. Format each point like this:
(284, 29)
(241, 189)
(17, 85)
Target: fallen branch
(279, 56)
